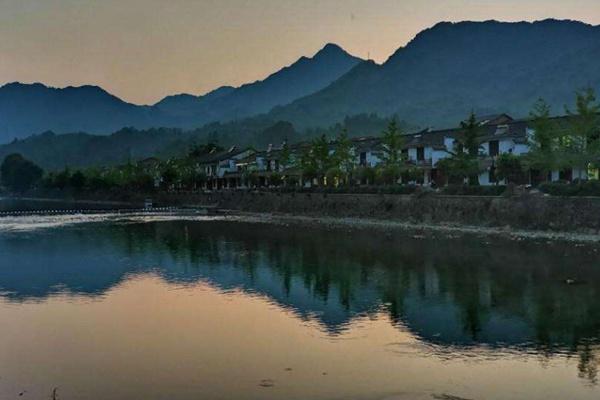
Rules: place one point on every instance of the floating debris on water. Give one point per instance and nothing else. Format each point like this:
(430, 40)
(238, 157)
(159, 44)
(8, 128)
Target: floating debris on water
(267, 383)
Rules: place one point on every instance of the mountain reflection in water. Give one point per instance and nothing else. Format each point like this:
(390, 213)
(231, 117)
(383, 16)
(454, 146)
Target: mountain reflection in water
(451, 293)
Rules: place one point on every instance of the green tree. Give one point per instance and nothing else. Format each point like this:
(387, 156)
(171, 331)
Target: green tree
(343, 156)
(19, 174)
(77, 180)
(366, 174)
(470, 135)
(392, 141)
(275, 179)
(463, 163)
(459, 167)
(285, 156)
(543, 155)
(308, 164)
(583, 142)
(62, 179)
(508, 167)
(317, 160)
(169, 176)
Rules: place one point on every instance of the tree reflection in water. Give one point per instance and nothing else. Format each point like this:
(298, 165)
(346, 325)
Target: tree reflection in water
(451, 292)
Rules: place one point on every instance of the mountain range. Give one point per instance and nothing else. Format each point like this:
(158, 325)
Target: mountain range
(304, 77)
(440, 76)
(452, 68)
(27, 109)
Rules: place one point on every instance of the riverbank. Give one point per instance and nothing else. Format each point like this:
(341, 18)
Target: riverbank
(418, 230)
(516, 213)
(525, 215)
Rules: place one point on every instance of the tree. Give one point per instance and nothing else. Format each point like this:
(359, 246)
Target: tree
(169, 176)
(471, 134)
(392, 142)
(308, 165)
(343, 156)
(366, 175)
(508, 167)
(284, 155)
(543, 155)
(275, 179)
(393, 160)
(62, 179)
(77, 180)
(459, 167)
(463, 163)
(19, 174)
(316, 160)
(583, 143)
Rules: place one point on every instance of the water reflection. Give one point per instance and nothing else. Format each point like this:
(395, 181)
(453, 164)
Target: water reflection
(451, 293)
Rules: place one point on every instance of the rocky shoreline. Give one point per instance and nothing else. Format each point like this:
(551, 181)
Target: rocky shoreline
(388, 226)
(573, 220)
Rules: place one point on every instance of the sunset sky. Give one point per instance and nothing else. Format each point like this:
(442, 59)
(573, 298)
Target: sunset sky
(142, 50)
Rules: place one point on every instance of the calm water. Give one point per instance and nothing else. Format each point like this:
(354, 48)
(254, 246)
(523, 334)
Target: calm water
(213, 309)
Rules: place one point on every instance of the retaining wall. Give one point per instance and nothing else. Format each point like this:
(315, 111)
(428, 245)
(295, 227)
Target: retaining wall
(573, 214)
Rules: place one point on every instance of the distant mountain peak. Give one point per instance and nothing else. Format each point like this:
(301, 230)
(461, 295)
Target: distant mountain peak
(455, 67)
(330, 49)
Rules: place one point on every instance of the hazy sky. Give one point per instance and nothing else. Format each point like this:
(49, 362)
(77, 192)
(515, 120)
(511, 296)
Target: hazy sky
(142, 50)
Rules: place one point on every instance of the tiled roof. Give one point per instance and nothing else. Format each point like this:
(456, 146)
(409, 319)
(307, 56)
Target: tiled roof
(220, 156)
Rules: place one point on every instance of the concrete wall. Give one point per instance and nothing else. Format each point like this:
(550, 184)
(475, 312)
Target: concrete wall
(523, 212)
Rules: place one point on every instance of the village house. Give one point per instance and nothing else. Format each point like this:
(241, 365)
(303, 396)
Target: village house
(423, 150)
(220, 167)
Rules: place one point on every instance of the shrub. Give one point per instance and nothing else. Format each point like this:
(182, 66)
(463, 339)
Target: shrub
(581, 188)
(509, 167)
(365, 175)
(276, 179)
(291, 181)
(469, 190)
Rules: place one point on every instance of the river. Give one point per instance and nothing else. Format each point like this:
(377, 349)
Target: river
(216, 308)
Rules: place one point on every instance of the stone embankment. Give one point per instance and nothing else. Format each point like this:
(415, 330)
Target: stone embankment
(526, 212)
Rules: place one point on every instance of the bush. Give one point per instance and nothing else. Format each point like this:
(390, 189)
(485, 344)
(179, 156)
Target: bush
(365, 175)
(582, 188)
(465, 190)
(291, 181)
(276, 179)
(347, 189)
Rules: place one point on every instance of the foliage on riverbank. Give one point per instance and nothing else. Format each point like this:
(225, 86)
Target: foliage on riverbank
(583, 188)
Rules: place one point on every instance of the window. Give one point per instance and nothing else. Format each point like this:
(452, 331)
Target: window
(363, 158)
(420, 154)
(494, 148)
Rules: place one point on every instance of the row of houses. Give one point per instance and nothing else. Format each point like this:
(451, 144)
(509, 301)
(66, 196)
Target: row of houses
(423, 150)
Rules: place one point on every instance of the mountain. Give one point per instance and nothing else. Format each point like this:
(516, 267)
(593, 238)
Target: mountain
(76, 150)
(305, 76)
(185, 105)
(452, 68)
(27, 109)
(34, 108)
